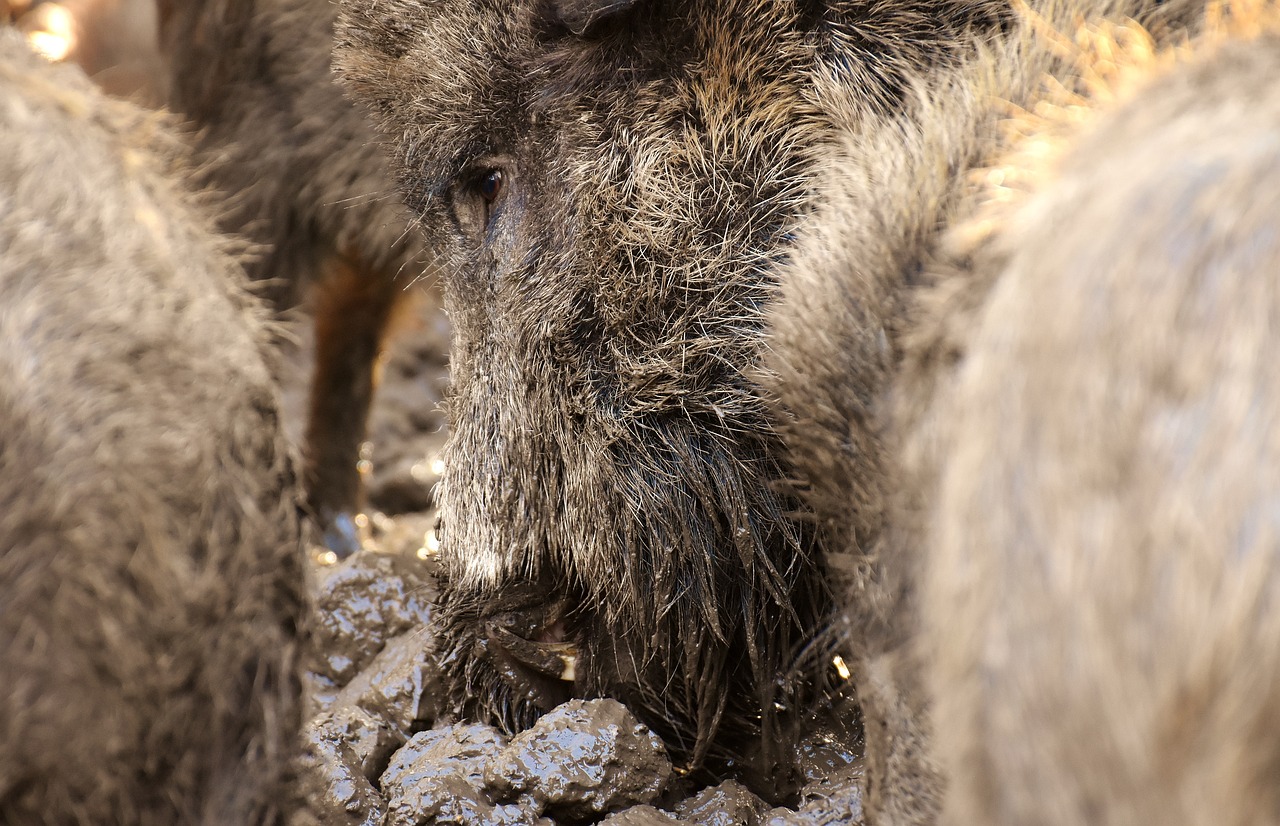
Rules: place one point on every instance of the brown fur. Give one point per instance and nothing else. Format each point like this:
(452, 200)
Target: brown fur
(613, 478)
(150, 563)
(843, 318)
(1101, 574)
(310, 188)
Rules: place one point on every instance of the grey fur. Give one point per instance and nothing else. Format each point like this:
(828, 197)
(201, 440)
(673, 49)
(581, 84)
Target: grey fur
(150, 560)
(873, 437)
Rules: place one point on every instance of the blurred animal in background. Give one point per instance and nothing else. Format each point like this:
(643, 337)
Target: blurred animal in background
(309, 187)
(1066, 618)
(1101, 571)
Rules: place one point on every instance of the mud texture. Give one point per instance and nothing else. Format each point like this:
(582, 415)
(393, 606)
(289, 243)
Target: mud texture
(826, 801)
(363, 603)
(728, 804)
(583, 759)
(382, 746)
(641, 816)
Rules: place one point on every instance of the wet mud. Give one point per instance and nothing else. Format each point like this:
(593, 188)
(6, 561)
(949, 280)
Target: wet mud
(382, 750)
(381, 747)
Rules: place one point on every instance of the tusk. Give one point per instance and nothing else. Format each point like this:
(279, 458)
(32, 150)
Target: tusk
(568, 673)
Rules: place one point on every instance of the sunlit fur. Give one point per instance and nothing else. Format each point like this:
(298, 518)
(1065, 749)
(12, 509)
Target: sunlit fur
(610, 437)
(1101, 579)
(150, 562)
(848, 311)
(1082, 432)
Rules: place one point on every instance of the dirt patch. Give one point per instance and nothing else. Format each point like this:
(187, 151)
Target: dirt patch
(381, 750)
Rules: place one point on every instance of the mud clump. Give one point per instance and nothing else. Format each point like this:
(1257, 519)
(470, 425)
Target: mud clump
(438, 777)
(361, 604)
(833, 800)
(343, 753)
(641, 816)
(728, 804)
(400, 686)
(377, 684)
(583, 758)
(368, 740)
(151, 579)
(588, 759)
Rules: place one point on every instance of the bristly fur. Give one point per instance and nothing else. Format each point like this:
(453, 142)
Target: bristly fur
(610, 435)
(151, 579)
(306, 178)
(845, 313)
(1101, 577)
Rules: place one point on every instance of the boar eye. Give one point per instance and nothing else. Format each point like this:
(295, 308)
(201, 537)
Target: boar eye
(478, 196)
(490, 185)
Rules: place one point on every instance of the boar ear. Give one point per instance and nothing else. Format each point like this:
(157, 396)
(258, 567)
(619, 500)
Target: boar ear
(580, 15)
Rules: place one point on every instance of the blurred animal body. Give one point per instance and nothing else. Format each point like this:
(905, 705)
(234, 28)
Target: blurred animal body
(1063, 619)
(151, 582)
(1101, 573)
(310, 189)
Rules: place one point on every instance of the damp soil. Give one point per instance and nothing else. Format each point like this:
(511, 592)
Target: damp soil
(381, 748)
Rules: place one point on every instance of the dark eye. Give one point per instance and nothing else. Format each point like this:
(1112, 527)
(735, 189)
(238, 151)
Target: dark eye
(479, 195)
(491, 185)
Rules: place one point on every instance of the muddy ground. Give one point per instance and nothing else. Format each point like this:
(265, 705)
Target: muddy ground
(380, 747)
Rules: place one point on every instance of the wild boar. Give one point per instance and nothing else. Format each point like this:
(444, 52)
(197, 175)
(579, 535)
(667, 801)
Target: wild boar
(678, 244)
(151, 582)
(613, 186)
(852, 362)
(1100, 583)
